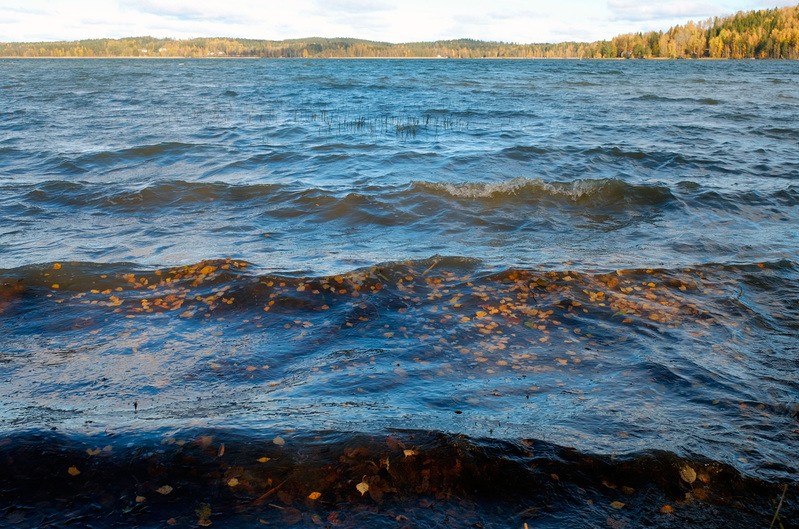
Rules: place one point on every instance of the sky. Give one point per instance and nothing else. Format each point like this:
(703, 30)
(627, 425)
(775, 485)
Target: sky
(519, 21)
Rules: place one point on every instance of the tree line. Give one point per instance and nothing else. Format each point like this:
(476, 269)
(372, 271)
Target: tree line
(762, 34)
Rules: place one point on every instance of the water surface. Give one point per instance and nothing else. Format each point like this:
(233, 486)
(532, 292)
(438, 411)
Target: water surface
(414, 275)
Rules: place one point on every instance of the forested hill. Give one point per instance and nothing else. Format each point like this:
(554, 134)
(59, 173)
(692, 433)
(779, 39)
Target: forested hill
(764, 34)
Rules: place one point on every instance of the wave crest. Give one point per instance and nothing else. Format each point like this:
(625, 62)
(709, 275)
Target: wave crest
(599, 192)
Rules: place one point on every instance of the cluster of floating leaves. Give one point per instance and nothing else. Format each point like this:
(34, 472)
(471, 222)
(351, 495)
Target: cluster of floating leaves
(501, 321)
(512, 296)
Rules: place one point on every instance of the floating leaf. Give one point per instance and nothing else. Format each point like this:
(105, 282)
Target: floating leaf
(204, 513)
(140, 499)
(166, 489)
(279, 441)
(314, 495)
(363, 487)
(410, 453)
(263, 459)
(667, 509)
(617, 504)
(232, 482)
(687, 474)
(73, 471)
(56, 266)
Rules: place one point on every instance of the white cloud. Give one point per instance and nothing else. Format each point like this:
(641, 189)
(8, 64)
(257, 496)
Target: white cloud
(520, 21)
(635, 10)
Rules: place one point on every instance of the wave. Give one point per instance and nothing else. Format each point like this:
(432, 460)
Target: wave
(587, 192)
(778, 133)
(400, 203)
(345, 479)
(662, 99)
(96, 281)
(592, 193)
(135, 154)
(612, 156)
(694, 360)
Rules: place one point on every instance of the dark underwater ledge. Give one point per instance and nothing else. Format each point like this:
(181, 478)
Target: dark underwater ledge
(400, 478)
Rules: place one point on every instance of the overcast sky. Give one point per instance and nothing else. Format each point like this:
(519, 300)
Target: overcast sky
(522, 21)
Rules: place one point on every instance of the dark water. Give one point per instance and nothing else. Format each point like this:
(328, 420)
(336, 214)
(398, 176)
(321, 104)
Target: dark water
(399, 293)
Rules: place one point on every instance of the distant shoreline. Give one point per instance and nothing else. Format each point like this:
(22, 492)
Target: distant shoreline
(766, 34)
(421, 58)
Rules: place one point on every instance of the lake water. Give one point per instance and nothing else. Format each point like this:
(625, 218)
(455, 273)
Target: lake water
(399, 293)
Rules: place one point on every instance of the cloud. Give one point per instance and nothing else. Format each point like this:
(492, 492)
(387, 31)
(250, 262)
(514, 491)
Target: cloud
(352, 7)
(520, 21)
(24, 10)
(185, 11)
(767, 4)
(636, 11)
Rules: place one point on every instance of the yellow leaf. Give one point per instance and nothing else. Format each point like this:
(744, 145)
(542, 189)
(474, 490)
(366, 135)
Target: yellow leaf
(667, 509)
(73, 471)
(687, 474)
(314, 495)
(166, 489)
(140, 499)
(480, 314)
(363, 487)
(279, 441)
(617, 505)
(410, 453)
(56, 266)
(56, 286)
(232, 482)
(263, 459)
